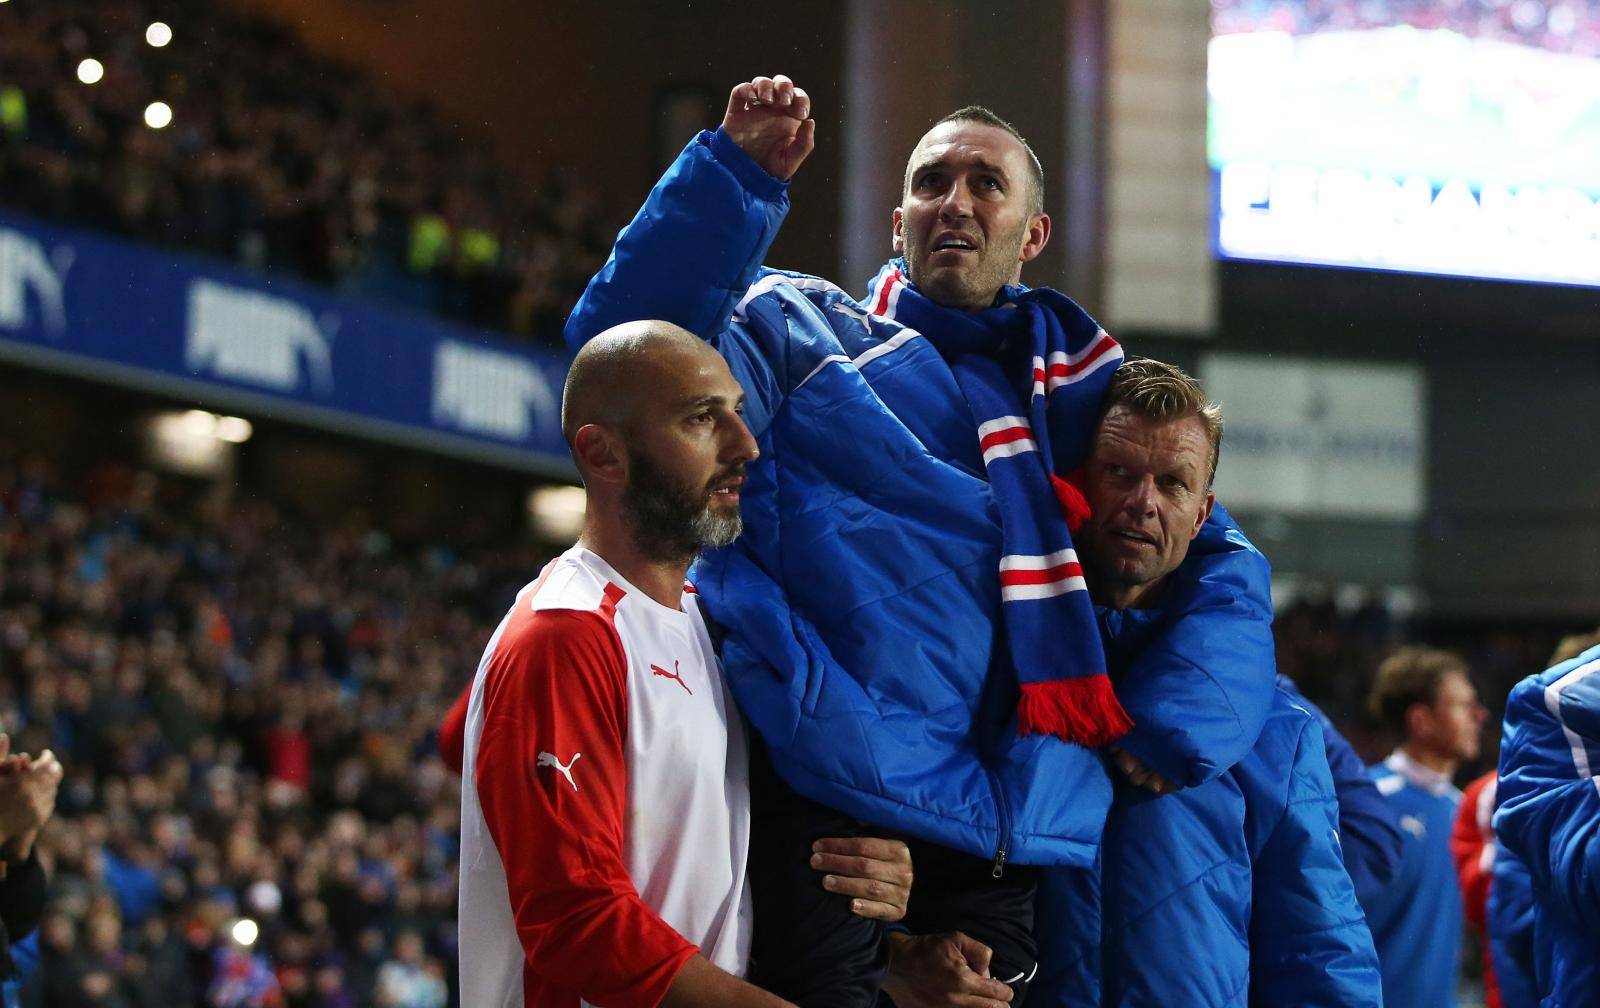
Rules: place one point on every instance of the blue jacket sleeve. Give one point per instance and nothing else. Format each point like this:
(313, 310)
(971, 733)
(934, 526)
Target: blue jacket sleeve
(690, 254)
(1369, 835)
(1199, 693)
(1548, 812)
(1309, 942)
(1511, 940)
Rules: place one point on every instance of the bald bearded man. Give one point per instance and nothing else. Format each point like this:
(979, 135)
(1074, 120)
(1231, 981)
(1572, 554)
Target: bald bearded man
(605, 809)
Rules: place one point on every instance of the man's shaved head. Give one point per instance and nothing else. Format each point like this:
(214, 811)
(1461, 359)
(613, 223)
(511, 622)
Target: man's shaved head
(609, 377)
(652, 415)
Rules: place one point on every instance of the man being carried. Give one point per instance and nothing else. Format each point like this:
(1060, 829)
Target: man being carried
(605, 814)
(906, 622)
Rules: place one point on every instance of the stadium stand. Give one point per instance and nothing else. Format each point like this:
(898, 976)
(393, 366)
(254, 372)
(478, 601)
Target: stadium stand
(246, 703)
(282, 161)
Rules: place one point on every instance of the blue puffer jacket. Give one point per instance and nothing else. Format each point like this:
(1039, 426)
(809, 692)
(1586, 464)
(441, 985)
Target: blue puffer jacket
(1510, 926)
(1548, 817)
(1232, 893)
(1369, 834)
(862, 602)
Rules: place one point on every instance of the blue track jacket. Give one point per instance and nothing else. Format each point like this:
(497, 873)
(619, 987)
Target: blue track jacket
(1510, 919)
(1548, 818)
(1230, 893)
(862, 603)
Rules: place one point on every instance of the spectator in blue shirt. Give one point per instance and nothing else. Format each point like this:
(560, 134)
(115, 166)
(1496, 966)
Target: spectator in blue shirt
(1426, 696)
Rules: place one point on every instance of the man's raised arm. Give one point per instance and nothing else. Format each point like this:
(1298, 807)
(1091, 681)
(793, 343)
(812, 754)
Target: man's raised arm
(695, 246)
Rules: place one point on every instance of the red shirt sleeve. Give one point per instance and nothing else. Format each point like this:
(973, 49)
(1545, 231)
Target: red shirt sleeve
(453, 731)
(551, 775)
(1468, 841)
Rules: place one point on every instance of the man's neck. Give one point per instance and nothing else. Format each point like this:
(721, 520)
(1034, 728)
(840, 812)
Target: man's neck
(1426, 757)
(983, 304)
(1117, 596)
(662, 580)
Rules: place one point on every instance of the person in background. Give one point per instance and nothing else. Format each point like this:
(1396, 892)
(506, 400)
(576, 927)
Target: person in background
(27, 800)
(1472, 846)
(1425, 696)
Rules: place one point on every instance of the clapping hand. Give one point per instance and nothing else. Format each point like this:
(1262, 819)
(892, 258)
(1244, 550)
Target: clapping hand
(27, 798)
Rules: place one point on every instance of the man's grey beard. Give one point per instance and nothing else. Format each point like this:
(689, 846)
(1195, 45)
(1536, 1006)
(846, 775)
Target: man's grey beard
(672, 522)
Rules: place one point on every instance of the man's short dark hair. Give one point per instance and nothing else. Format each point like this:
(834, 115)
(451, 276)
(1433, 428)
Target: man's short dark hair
(981, 115)
(1410, 676)
(1163, 392)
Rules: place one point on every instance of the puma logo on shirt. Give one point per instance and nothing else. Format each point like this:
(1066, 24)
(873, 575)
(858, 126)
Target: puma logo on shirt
(673, 675)
(549, 759)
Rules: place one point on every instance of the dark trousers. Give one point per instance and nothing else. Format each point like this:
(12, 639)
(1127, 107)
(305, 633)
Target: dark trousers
(810, 949)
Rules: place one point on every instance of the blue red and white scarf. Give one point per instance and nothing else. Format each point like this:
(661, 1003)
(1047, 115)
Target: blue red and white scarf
(1034, 369)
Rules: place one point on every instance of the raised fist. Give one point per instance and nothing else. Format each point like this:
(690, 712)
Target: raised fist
(770, 119)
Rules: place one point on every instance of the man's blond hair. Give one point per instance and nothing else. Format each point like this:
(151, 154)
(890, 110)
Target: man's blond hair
(1161, 392)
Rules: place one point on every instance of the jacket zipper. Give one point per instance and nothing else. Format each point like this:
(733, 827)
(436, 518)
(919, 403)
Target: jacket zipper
(1003, 810)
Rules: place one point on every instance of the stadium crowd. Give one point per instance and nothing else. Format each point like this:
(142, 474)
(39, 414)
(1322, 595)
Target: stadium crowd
(1571, 26)
(246, 706)
(281, 160)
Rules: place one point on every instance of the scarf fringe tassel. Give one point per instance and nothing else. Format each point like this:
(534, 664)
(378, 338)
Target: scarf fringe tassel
(1069, 492)
(1083, 710)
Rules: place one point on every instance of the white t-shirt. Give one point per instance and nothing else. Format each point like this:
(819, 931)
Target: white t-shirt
(605, 805)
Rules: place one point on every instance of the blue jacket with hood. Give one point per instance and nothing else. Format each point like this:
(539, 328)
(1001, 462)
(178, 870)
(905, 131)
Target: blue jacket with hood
(862, 603)
(1230, 893)
(1547, 816)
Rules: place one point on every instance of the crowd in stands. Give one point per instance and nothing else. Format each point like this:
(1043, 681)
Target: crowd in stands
(1331, 650)
(283, 161)
(1566, 26)
(246, 706)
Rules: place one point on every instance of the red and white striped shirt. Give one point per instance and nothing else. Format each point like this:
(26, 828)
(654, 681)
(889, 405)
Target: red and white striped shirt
(605, 807)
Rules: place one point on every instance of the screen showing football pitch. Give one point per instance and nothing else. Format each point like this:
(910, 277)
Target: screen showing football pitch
(1459, 138)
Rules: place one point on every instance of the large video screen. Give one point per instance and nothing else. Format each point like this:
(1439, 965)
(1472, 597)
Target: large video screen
(1459, 137)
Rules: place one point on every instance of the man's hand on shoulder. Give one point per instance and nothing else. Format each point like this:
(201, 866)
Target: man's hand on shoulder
(875, 872)
(942, 971)
(1139, 775)
(770, 119)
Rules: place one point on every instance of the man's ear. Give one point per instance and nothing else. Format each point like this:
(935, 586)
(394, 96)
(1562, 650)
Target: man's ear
(896, 231)
(1038, 236)
(1205, 514)
(600, 455)
(1419, 721)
